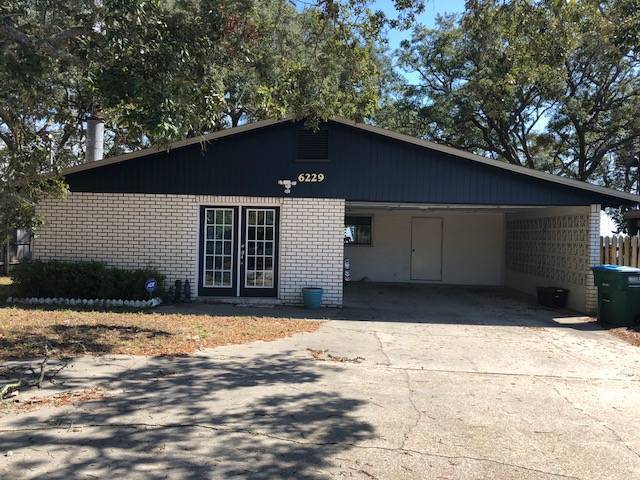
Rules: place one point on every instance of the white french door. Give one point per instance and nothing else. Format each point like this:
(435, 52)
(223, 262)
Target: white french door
(259, 252)
(238, 251)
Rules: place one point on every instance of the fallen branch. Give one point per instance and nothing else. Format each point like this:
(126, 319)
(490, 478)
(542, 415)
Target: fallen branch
(43, 365)
(52, 377)
(9, 388)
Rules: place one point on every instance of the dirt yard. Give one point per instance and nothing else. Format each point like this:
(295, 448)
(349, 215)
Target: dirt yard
(25, 331)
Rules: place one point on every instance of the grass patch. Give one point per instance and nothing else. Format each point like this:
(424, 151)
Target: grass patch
(23, 332)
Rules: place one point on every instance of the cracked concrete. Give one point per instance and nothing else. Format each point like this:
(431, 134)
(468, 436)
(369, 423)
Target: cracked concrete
(455, 384)
(381, 347)
(417, 413)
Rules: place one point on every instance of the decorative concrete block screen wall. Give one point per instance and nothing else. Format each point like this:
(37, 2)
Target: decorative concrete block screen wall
(554, 247)
(161, 231)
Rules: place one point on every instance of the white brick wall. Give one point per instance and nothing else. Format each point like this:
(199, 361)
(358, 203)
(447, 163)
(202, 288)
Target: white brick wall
(312, 249)
(594, 257)
(161, 231)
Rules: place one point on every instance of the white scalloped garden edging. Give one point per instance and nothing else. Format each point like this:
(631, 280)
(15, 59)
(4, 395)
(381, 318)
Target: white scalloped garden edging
(83, 302)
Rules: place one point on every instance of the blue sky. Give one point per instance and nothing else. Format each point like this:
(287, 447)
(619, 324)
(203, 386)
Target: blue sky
(432, 9)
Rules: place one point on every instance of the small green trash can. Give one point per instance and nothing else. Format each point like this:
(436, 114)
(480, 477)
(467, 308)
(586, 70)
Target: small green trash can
(618, 294)
(312, 297)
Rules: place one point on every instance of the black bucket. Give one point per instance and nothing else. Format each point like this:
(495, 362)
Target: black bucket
(553, 297)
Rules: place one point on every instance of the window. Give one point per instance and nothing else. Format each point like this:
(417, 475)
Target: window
(357, 230)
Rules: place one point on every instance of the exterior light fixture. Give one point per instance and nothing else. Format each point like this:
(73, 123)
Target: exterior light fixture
(287, 185)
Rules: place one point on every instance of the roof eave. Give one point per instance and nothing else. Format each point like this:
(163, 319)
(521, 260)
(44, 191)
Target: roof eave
(181, 143)
(489, 161)
(608, 192)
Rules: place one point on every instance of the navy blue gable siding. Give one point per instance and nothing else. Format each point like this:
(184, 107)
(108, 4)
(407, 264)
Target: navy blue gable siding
(362, 166)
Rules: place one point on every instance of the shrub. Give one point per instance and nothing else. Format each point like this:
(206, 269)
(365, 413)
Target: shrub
(82, 280)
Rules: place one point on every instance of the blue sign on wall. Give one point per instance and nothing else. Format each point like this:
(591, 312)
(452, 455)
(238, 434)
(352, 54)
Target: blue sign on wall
(151, 285)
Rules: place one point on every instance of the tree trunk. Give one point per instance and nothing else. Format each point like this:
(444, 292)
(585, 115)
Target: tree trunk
(235, 118)
(5, 250)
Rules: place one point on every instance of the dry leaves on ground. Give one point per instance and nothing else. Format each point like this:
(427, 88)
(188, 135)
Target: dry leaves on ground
(24, 331)
(628, 334)
(324, 355)
(63, 399)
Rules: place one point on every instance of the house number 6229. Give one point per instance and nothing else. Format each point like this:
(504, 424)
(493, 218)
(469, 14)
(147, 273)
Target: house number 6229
(311, 177)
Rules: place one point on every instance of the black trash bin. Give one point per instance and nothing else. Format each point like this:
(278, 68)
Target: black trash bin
(553, 297)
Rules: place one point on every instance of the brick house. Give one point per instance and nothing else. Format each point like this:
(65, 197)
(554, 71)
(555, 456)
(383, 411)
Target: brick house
(266, 209)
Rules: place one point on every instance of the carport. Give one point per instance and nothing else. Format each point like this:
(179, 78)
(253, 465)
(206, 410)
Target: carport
(516, 247)
(464, 305)
(443, 216)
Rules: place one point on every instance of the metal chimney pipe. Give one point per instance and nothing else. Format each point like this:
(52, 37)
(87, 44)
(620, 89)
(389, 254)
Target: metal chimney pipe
(95, 139)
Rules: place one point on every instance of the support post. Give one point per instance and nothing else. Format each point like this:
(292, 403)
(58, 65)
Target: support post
(593, 257)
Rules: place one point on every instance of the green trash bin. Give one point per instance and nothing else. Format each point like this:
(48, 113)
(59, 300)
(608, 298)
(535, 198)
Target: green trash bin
(618, 294)
(312, 297)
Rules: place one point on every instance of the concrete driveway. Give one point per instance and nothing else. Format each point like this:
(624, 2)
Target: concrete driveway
(436, 384)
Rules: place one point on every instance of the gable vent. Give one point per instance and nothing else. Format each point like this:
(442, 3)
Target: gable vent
(312, 145)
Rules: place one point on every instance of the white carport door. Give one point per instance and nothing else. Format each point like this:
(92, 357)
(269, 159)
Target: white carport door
(426, 248)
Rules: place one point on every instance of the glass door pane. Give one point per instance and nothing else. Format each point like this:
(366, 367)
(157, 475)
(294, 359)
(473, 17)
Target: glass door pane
(260, 251)
(218, 248)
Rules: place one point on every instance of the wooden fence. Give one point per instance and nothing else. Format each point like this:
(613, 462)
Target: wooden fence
(620, 250)
(17, 250)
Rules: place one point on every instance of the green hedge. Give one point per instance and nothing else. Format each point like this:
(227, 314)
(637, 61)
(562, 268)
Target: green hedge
(88, 280)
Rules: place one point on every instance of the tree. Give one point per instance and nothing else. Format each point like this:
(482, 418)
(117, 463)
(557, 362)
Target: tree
(596, 110)
(549, 84)
(479, 86)
(149, 69)
(157, 71)
(37, 123)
